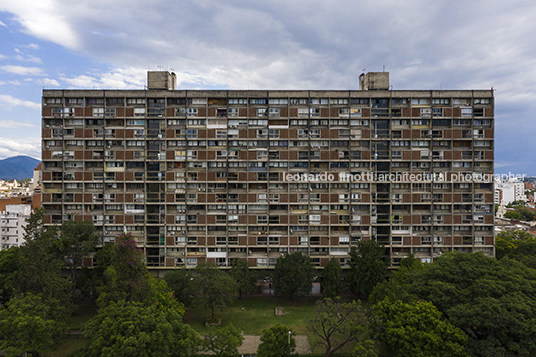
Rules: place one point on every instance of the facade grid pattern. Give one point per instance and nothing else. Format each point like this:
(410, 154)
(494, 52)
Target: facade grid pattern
(216, 175)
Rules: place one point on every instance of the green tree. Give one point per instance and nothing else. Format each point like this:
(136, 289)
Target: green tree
(9, 264)
(507, 241)
(525, 252)
(293, 275)
(331, 282)
(132, 329)
(368, 266)
(516, 204)
(215, 287)
(366, 348)
(526, 214)
(276, 341)
(126, 277)
(337, 324)
(40, 270)
(494, 301)
(243, 276)
(223, 341)
(91, 280)
(392, 288)
(76, 240)
(417, 329)
(513, 215)
(29, 325)
(182, 284)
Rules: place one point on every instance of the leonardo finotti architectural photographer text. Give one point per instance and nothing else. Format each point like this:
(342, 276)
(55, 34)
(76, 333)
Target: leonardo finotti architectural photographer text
(396, 177)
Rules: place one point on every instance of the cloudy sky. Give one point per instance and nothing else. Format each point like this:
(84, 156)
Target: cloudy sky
(274, 44)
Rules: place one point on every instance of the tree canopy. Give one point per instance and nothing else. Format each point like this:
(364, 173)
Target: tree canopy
(494, 301)
(126, 277)
(518, 245)
(223, 341)
(368, 266)
(215, 287)
(331, 283)
(9, 264)
(76, 240)
(182, 284)
(244, 277)
(293, 275)
(133, 329)
(40, 270)
(276, 341)
(336, 324)
(30, 325)
(417, 329)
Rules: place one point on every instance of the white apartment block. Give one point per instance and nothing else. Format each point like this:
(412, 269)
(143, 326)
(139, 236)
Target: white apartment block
(511, 190)
(12, 222)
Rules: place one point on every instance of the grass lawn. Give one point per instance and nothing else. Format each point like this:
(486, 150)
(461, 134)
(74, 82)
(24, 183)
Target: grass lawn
(258, 314)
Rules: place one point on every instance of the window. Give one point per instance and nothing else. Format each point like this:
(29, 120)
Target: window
(420, 101)
(344, 240)
(273, 112)
(98, 112)
(467, 112)
(419, 122)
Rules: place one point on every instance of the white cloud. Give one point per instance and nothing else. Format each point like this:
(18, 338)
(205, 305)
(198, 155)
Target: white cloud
(23, 71)
(9, 101)
(28, 59)
(47, 82)
(118, 78)
(12, 124)
(45, 19)
(3, 24)
(20, 146)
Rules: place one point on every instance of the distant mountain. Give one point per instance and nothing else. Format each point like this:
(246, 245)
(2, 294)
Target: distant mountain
(17, 167)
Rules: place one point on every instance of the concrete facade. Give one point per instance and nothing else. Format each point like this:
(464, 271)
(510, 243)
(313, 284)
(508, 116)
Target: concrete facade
(217, 175)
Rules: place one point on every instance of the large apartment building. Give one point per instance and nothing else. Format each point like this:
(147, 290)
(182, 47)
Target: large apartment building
(217, 175)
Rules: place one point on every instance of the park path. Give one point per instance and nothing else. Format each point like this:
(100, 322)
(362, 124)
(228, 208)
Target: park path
(251, 343)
